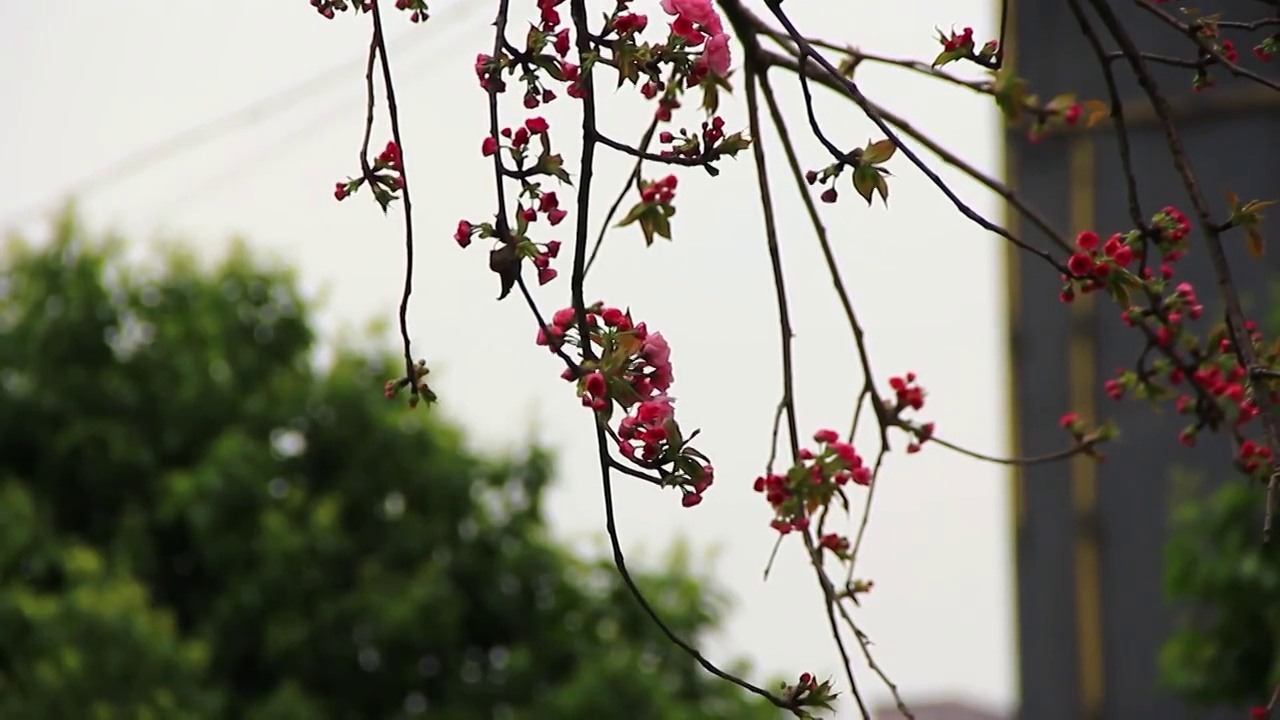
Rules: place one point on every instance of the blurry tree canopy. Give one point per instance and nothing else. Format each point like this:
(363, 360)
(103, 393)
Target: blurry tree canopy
(1228, 644)
(197, 521)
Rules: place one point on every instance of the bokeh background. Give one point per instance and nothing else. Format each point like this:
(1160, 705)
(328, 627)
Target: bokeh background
(277, 95)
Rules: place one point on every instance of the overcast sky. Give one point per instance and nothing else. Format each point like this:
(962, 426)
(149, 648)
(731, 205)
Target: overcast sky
(89, 83)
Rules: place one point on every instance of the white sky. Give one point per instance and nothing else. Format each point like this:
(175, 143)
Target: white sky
(88, 83)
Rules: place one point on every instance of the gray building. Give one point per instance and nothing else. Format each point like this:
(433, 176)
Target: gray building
(1092, 613)
(938, 711)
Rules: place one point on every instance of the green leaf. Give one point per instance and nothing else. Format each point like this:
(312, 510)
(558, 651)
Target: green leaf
(633, 214)
(710, 97)
(522, 225)
(1061, 102)
(1121, 295)
(883, 188)
(864, 181)
(734, 144)
(878, 152)
(1010, 92)
(535, 39)
(949, 56)
(505, 261)
(553, 165)
(661, 225)
(646, 227)
(551, 65)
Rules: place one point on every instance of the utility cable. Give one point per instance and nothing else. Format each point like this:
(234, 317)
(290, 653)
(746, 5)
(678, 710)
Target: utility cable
(203, 133)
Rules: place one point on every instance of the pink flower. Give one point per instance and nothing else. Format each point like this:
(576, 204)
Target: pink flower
(826, 436)
(656, 350)
(661, 378)
(696, 21)
(716, 54)
(700, 12)
(563, 318)
(594, 385)
(683, 28)
(655, 411)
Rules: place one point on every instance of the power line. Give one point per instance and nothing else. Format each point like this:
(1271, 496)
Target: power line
(210, 130)
(292, 138)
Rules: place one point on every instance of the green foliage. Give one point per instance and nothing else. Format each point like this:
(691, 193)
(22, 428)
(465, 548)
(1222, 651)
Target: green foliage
(197, 522)
(1228, 647)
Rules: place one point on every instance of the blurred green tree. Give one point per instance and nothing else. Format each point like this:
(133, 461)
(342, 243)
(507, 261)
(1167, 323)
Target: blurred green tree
(197, 521)
(1227, 643)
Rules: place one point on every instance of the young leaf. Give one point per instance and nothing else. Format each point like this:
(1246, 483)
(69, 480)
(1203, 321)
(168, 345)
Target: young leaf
(646, 227)
(734, 144)
(1062, 102)
(878, 152)
(1121, 294)
(1010, 92)
(949, 56)
(661, 225)
(866, 181)
(505, 261)
(710, 97)
(1253, 239)
(1097, 110)
(1254, 207)
(883, 188)
(632, 215)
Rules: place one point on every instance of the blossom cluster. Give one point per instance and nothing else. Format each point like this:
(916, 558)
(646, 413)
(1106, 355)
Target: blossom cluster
(386, 175)
(812, 484)
(908, 396)
(417, 9)
(1201, 373)
(1101, 265)
(628, 367)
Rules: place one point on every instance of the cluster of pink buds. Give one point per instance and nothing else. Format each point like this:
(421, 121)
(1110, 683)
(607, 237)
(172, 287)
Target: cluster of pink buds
(417, 380)
(517, 146)
(329, 8)
(386, 174)
(1102, 265)
(960, 46)
(962, 40)
(1203, 375)
(812, 483)
(629, 367)
(708, 144)
(653, 212)
(908, 396)
(518, 248)
(417, 9)
(808, 692)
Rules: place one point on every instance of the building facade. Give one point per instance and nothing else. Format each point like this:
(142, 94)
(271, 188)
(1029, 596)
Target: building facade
(1092, 613)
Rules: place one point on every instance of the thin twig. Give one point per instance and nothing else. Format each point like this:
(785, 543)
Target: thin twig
(590, 137)
(851, 89)
(1015, 461)
(394, 113)
(633, 179)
